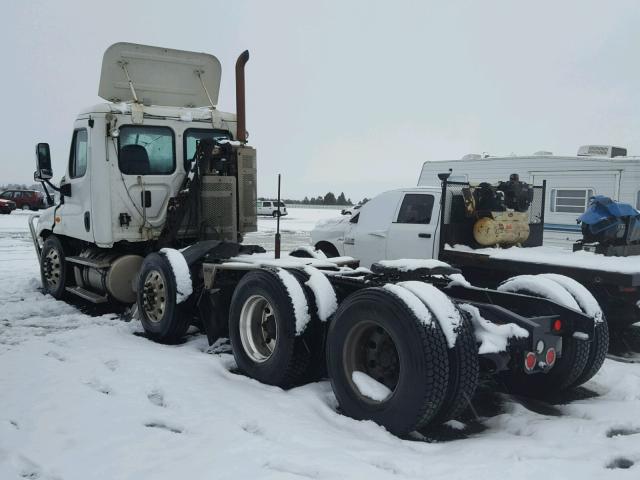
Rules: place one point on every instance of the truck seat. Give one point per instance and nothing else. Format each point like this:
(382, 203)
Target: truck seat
(134, 160)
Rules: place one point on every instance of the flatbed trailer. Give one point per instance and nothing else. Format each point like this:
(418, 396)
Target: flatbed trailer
(613, 281)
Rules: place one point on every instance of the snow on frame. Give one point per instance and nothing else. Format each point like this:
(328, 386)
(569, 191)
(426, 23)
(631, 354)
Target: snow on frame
(184, 287)
(541, 287)
(369, 387)
(412, 301)
(298, 299)
(493, 338)
(587, 302)
(440, 305)
(410, 264)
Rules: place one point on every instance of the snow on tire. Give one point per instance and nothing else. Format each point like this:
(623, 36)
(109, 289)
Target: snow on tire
(269, 342)
(385, 362)
(163, 319)
(589, 305)
(575, 353)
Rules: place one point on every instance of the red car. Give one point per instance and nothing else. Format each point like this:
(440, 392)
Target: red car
(24, 199)
(7, 206)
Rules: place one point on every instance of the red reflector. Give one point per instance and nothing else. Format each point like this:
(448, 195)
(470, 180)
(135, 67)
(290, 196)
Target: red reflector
(550, 357)
(557, 325)
(628, 289)
(530, 361)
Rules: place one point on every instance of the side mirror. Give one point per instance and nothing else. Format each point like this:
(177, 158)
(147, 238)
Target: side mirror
(43, 162)
(65, 189)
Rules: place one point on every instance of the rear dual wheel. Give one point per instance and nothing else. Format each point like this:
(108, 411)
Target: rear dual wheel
(268, 343)
(387, 365)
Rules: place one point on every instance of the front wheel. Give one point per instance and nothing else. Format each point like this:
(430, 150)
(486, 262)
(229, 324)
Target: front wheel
(25, 207)
(163, 319)
(53, 267)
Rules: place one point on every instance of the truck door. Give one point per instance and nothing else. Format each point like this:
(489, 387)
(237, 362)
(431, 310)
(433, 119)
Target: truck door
(369, 235)
(75, 213)
(413, 231)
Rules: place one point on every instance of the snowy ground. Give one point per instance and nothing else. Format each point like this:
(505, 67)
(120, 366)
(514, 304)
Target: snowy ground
(85, 397)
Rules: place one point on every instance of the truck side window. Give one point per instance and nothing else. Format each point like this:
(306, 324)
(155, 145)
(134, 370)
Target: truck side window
(416, 208)
(193, 135)
(78, 160)
(146, 150)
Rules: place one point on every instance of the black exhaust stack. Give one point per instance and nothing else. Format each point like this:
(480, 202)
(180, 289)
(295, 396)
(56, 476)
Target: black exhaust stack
(241, 134)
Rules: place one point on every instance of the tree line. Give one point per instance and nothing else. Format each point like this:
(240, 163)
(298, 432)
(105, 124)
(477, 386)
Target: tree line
(328, 199)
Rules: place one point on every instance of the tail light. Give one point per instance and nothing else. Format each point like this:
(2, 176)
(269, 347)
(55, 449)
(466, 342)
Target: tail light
(550, 357)
(557, 326)
(530, 361)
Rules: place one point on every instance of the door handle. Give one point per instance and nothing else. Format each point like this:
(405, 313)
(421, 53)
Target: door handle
(349, 241)
(381, 234)
(424, 235)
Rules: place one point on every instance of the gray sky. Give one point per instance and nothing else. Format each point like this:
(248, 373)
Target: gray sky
(348, 95)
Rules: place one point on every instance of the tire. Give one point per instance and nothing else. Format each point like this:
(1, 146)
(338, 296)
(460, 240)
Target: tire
(163, 319)
(25, 207)
(261, 308)
(53, 267)
(463, 373)
(562, 376)
(599, 346)
(275, 214)
(413, 361)
(328, 249)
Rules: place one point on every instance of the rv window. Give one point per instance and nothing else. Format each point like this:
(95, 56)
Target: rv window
(570, 200)
(416, 208)
(146, 150)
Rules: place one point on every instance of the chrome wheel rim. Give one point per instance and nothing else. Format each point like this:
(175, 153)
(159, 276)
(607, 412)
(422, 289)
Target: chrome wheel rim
(52, 269)
(154, 296)
(258, 328)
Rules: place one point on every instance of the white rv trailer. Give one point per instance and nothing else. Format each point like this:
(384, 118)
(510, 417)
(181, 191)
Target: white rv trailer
(571, 181)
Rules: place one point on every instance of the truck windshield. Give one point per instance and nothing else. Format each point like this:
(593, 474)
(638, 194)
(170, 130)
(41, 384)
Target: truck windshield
(193, 135)
(146, 150)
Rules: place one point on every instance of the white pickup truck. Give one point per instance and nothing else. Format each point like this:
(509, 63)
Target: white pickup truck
(411, 223)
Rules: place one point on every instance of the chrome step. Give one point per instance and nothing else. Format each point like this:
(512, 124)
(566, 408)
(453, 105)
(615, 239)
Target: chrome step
(88, 262)
(87, 295)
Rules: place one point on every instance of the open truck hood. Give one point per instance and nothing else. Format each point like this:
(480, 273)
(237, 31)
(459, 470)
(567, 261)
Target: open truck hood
(160, 76)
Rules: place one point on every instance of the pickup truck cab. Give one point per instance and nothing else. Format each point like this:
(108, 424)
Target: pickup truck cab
(409, 223)
(400, 223)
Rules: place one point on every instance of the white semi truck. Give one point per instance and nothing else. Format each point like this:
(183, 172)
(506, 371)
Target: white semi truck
(160, 189)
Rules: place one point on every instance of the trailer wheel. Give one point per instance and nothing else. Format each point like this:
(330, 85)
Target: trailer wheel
(400, 363)
(163, 319)
(53, 267)
(262, 330)
(562, 376)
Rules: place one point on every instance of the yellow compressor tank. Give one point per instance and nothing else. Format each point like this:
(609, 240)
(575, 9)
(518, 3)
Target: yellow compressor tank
(502, 228)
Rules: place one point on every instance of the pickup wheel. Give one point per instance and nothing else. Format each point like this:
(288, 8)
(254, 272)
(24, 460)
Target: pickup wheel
(328, 249)
(53, 267)
(384, 363)
(262, 330)
(562, 376)
(163, 319)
